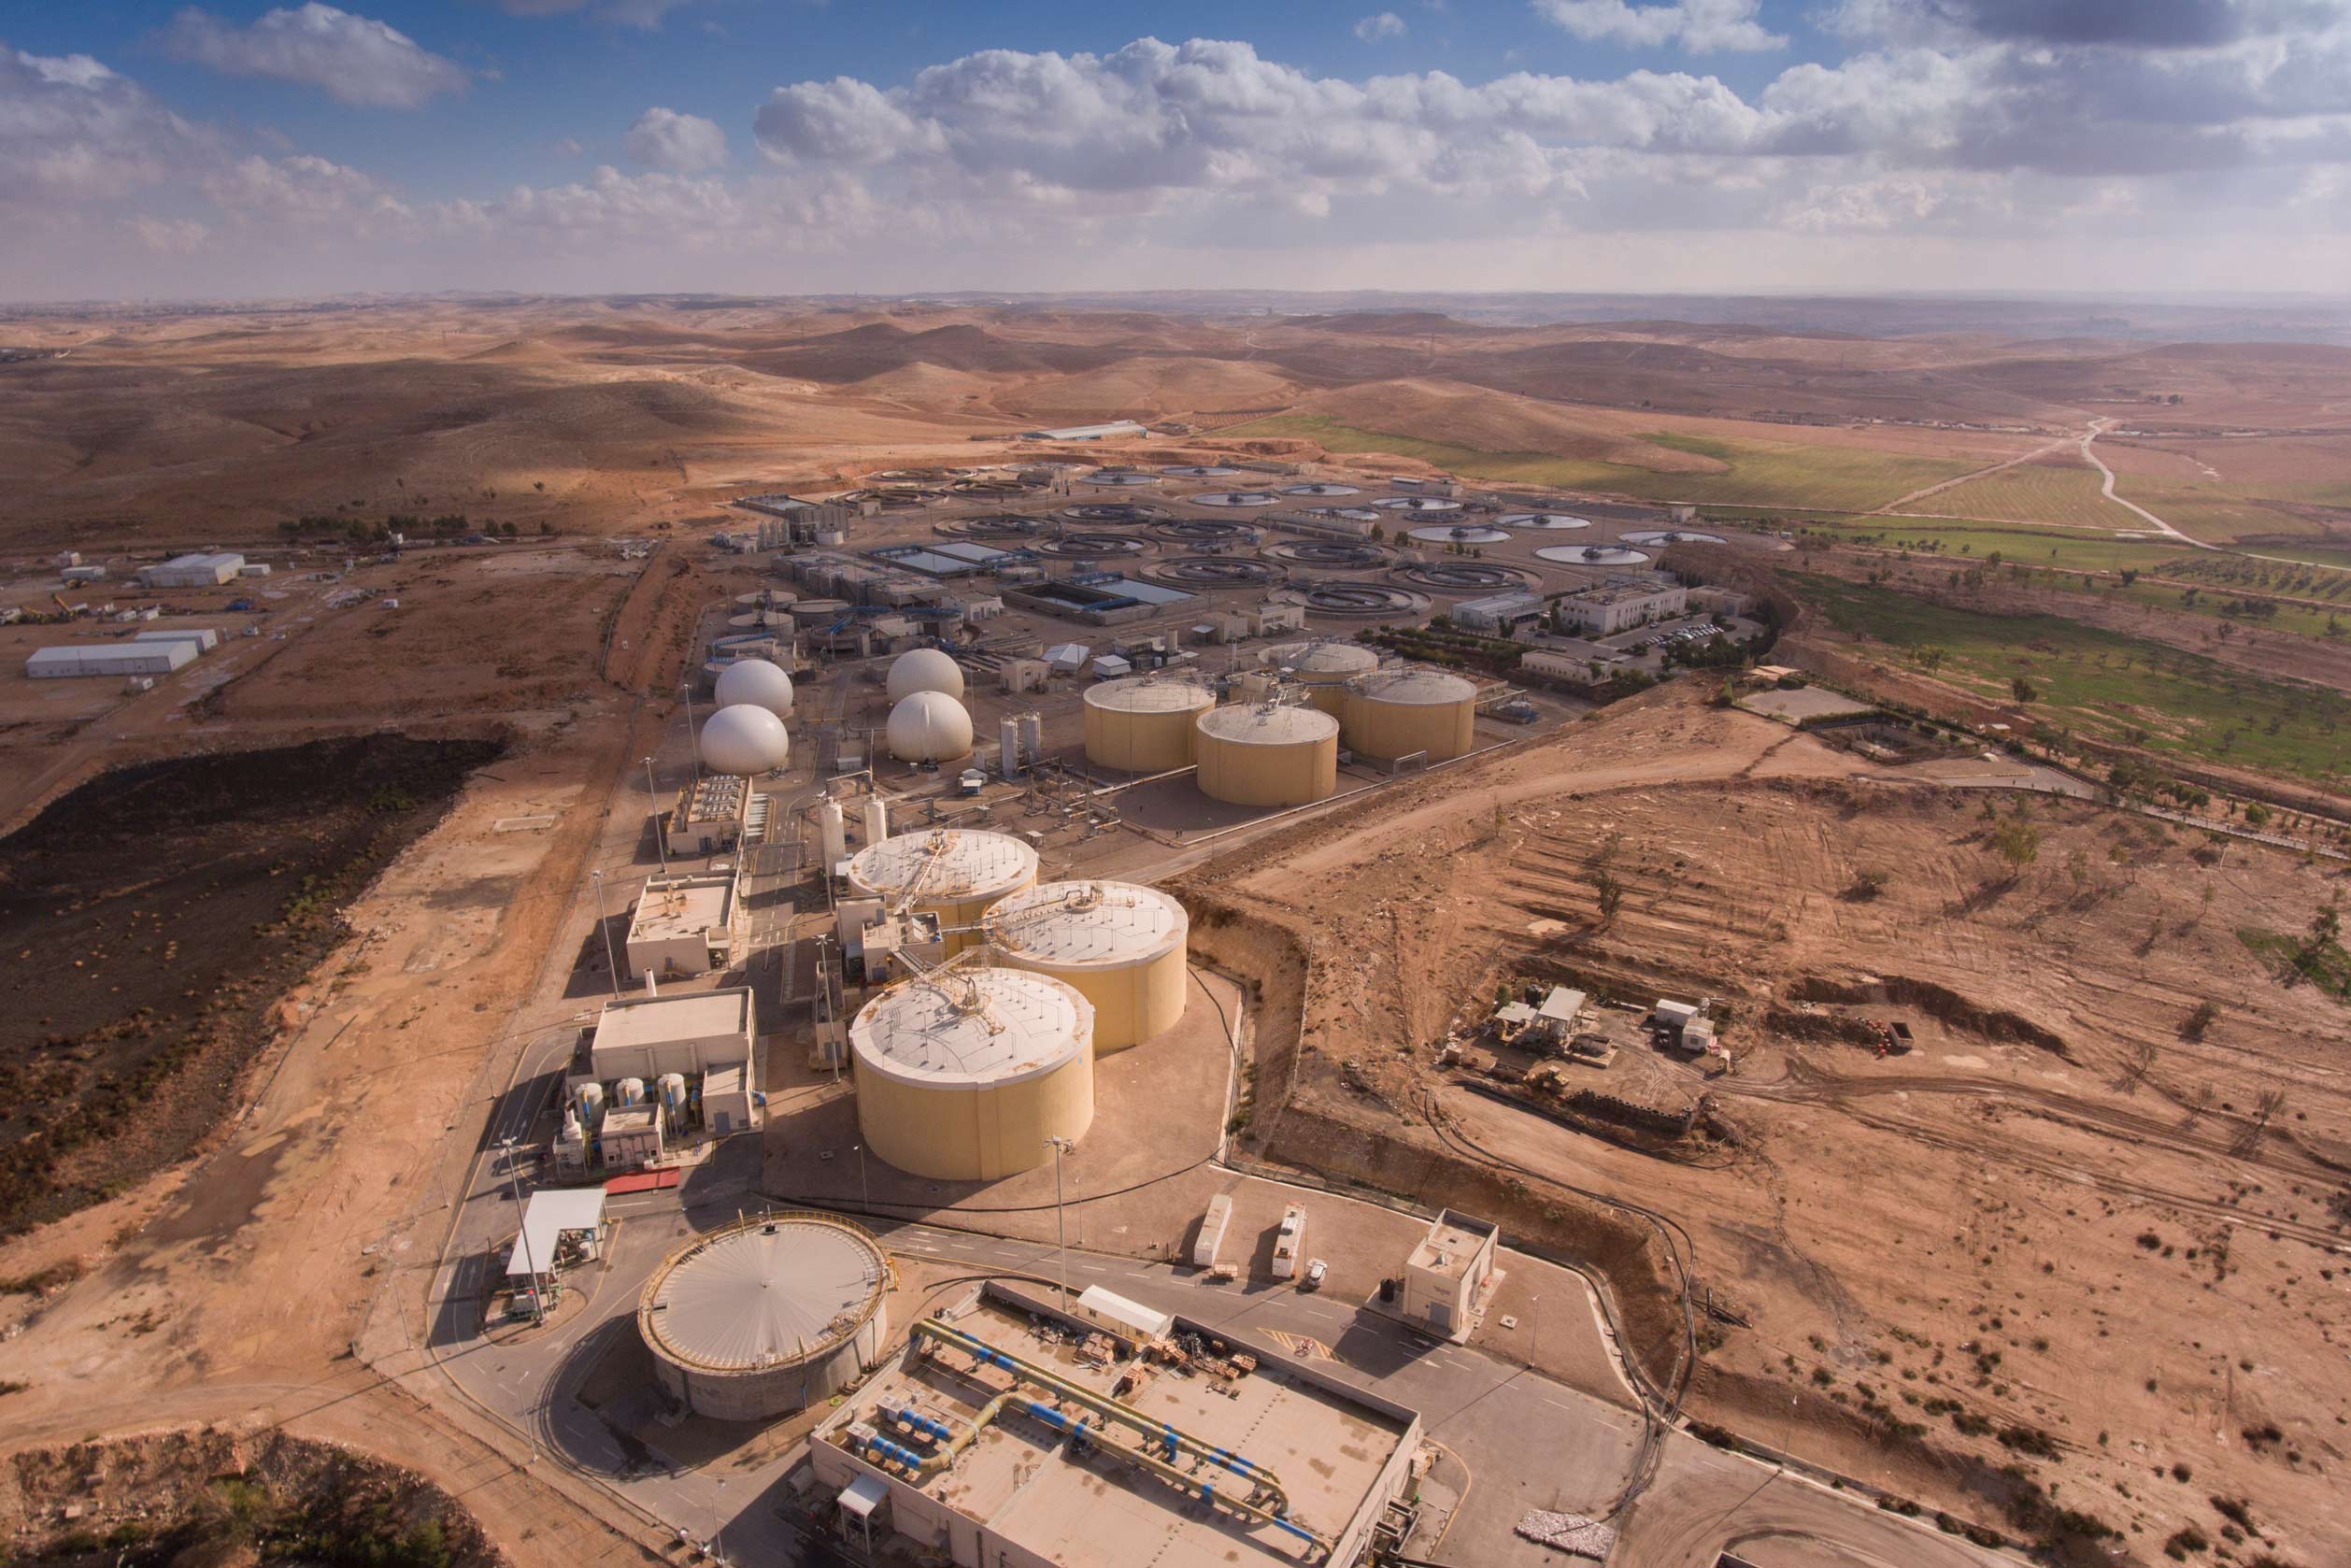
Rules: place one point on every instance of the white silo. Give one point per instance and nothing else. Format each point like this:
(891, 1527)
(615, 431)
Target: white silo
(1008, 746)
(632, 1092)
(588, 1100)
(925, 669)
(876, 819)
(744, 741)
(833, 835)
(928, 727)
(1033, 737)
(756, 682)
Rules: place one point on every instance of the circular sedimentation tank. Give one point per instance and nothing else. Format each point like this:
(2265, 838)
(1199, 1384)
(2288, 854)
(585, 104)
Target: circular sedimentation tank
(1093, 547)
(1331, 554)
(1417, 505)
(1122, 945)
(1200, 471)
(1143, 724)
(928, 727)
(1331, 596)
(814, 612)
(1396, 713)
(1267, 754)
(962, 1076)
(1323, 488)
(953, 873)
(1098, 512)
(1453, 575)
(1592, 555)
(1214, 571)
(1324, 668)
(1206, 531)
(1118, 479)
(1234, 498)
(1459, 533)
(1669, 537)
(767, 1316)
(997, 525)
(1554, 521)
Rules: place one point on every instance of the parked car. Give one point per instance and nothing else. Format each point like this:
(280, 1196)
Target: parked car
(1314, 1275)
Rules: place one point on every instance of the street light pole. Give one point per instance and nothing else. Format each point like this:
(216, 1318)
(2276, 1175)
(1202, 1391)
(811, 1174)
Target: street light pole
(686, 690)
(603, 923)
(538, 1302)
(653, 795)
(1060, 1235)
(866, 1194)
(1534, 1336)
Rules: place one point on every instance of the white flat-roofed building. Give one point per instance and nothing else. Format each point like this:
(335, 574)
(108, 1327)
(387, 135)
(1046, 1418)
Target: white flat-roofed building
(683, 925)
(1619, 604)
(1111, 430)
(202, 570)
(645, 1037)
(1446, 1273)
(206, 638)
(709, 816)
(110, 659)
(560, 1226)
(1499, 615)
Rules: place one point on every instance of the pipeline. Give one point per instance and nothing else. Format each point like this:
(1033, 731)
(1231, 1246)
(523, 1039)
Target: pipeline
(1155, 1434)
(1079, 1432)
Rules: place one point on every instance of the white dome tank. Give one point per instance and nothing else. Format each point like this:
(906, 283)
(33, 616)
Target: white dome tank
(757, 683)
(925, 669)
(928, 727)
(962, 1076)
(744, 741)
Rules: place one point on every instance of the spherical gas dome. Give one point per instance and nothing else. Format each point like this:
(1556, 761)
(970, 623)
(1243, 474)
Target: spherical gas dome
(744, 741)
(925, 669)
(928, 727)
(758, 683)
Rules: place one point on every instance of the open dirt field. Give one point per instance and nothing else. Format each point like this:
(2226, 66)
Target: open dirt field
(2043, 1237)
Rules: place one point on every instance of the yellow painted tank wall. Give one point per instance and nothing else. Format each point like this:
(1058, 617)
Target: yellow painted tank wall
(1243, 774)
(1132, 1002)
(974, 1134)
(953, 914)
(1140, 741)
(1327, 691)
(1377, 728)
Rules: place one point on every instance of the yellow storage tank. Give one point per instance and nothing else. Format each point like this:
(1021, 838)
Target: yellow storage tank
(962, 1075)
(953, 873)
(1143, 724)
(1323, 668)
(1396, 713)
(1267, 754)
(1122, 945)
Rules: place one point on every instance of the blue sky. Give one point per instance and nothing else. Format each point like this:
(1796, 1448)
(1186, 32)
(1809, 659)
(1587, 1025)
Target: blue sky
(787, 146)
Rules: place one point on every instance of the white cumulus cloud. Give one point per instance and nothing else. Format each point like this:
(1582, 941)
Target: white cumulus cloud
(1700, 26)
(1384, 24)
(354, 59)
(678, 142)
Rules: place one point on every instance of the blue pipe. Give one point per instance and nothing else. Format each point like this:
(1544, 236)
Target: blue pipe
(1279, 1523)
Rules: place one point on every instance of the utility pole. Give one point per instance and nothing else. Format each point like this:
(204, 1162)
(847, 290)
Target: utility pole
(653, 794)
(603, 923)
(1534, 1336)
(686, 690)
(866, 1194)
(538, 1302)
(1059, 1146)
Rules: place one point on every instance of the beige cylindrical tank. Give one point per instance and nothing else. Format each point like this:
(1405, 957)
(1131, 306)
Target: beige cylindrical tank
(953, 873)
(1264, 754)
(1122, 945)
(963, 1075)
(1395, 713)
(1143, 724)
(1323, 668)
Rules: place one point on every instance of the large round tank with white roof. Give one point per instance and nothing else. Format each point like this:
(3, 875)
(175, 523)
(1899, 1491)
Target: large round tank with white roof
(1143, 723)
(756, 682)
(1122, 945)
(1395, 713)
(953, 873)
(962, 1076)
(925, 669)
(1323, 668)
(744, 741)
(1267, 754)
(928, 727)
(766, 1316)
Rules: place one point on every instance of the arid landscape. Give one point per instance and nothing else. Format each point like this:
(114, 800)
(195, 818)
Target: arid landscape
(301, 930)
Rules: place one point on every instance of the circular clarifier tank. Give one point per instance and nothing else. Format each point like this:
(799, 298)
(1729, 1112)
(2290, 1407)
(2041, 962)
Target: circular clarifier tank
(1417, 505)
(1459, 533)
(1670, 536)
(1322, 489)
(1592, 555)
(1235, 498)
(1554, 521)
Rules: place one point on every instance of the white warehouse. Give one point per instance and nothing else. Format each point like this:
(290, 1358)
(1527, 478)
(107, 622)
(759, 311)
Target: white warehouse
(194, 571)
(111, 659)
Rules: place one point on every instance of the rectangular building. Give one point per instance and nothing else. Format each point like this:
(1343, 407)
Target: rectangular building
(1284, 1464)
(109, 659)
(206, 638)
(1500, 615)
(193, 571)
(683, 925)
(645, 1037)
(1619, 604)
(1446, 1273)
(709, 816)
(1110, 430)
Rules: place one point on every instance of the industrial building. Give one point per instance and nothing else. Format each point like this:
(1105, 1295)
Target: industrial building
(119, 660)
(1447, 1274)
(978, 1445)
(561, 1228)
(1143, 724)
(1499, 615)
(1110, 430)
(1619, 604)
(952, 873)
(1122, 945)
(1403, 713)
(769, 1315)
(706, 1036)
(1267, 754)
(1323, 668)
(962, 1075)
(205, 639)
(208, 570)
(709, 815)
(682, 925)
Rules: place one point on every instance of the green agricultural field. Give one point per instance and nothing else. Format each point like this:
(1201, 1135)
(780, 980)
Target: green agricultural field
(2107, 684)
(2065, 493)
(1760, 472)
(2214, 515)
(1970, 543)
